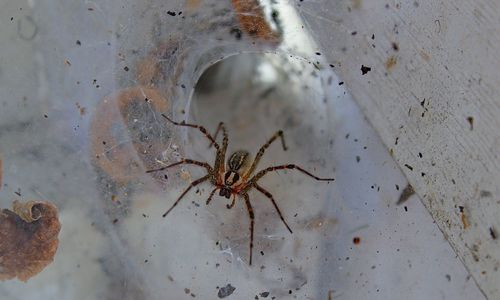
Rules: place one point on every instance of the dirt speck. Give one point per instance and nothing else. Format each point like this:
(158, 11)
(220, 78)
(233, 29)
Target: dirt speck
(465, 220)
(225, 291)
(493, 233)
(471, 122)
(365, 69)
(390, 62)
(425, 56)
(356, 4)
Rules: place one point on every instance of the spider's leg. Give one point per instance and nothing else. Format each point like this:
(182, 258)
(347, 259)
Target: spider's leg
(261, 174)
(233, 202)
(184, 161)
(262, 149)
(200, 128)
(221, 155)
(268, 195)
(224, 133)
(252, 217)
(211, 195)
(194, 183)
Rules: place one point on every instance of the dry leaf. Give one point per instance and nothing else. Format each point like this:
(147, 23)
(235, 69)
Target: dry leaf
(28, 239)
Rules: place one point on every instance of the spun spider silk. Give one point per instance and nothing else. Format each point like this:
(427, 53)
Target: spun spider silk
(96, 127)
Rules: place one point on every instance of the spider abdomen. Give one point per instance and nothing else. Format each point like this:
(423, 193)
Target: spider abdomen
(237, 160)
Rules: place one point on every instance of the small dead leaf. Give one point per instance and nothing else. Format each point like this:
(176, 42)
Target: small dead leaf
(28, 239)
(405, 194)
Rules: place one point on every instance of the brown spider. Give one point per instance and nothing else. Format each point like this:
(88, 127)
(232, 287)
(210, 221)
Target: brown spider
(234, 179)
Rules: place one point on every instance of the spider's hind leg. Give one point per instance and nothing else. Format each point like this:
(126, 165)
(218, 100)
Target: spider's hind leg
(270, 196)
(252, 220)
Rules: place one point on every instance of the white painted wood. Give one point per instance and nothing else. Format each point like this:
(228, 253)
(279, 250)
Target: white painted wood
(447, 55)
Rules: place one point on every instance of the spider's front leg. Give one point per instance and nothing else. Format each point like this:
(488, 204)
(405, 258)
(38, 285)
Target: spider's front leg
(184, 161)
(261, 174)
(262, 150)
(200, 128)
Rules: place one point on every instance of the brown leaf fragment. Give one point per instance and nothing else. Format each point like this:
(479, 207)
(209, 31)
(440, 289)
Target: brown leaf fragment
(252, 20)
(405, 194)
(28, 239)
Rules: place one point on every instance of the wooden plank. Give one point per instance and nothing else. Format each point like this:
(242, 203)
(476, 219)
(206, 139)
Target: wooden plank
(432, 94)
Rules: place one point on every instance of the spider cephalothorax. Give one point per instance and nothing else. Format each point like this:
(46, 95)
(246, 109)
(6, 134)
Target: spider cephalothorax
(235, 178)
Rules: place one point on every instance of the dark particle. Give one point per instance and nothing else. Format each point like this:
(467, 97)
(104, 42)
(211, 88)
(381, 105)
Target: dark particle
(485, 194)
(356, 240)
(126, 69)
(448, 277)
(397, 139)
(78, 42)
(397, 187)
(365, 69)
(264, 294)
(318, 53)
(115, 221)
(237, 33)
(406, 208)
(341, 83)
(405, 194)
(358, 158)
(373, 36)
(354, 33)
(45, 116)
(493, 233)
(261, 252)
(419, 154)
(183, 86)
(171, 13)
(471, 122)
(225, 291)
(409, 167)
(395, 46)
(332, 66)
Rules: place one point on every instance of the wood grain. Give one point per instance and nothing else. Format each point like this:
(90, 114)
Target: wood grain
(432, 94)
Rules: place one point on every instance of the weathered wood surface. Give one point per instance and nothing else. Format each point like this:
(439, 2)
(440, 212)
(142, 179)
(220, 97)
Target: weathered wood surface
(433, 96)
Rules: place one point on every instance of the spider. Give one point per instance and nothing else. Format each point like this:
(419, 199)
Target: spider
(235, 178)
